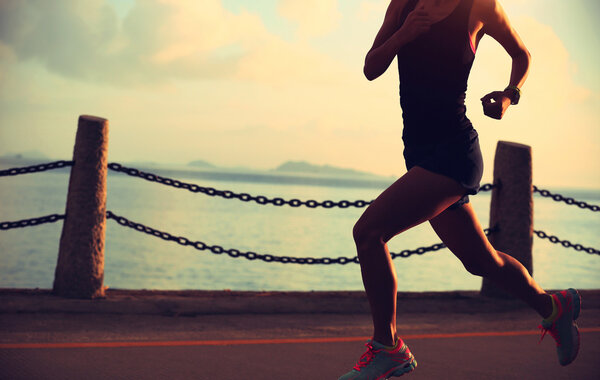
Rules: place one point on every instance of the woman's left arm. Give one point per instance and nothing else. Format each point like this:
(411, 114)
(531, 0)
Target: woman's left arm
(496, 24)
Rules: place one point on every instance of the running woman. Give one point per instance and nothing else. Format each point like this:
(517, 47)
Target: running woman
(435, 43)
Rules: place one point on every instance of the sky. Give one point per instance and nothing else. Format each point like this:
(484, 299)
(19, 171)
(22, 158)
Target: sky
(257, 83)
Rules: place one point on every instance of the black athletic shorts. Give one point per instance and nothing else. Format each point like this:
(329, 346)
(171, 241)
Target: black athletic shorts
(458, 157)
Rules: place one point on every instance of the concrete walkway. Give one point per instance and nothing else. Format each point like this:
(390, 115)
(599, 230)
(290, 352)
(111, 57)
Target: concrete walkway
(253, 335)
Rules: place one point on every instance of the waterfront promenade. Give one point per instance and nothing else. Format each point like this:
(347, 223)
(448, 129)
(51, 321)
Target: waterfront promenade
(272, 335)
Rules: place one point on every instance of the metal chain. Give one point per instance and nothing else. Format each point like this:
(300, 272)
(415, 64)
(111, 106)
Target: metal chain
(31, 222)
(260, 199)
(35, 168)
(566, 243)
(567, 200)
(218, 250)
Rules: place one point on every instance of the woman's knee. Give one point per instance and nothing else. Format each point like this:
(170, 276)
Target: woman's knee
(366, 235)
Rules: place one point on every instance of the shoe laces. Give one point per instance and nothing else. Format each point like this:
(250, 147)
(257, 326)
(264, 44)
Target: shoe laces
(553, 332)
(367, 357)
(552, 327)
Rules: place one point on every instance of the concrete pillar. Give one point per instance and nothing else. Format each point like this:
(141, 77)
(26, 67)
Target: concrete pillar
(80, 267)
(511, 210)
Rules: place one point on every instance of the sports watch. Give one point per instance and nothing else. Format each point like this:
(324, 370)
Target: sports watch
(514, 94)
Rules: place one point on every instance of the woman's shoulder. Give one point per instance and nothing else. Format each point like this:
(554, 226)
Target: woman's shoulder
(397, 5)
(487, 11)
(394, 10)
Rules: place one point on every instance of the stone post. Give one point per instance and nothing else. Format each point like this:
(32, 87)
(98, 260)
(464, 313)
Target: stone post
(80, 267)
(511, 210)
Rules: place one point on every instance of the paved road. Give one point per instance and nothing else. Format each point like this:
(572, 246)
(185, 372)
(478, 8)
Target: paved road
(516, 357)
(160, 347)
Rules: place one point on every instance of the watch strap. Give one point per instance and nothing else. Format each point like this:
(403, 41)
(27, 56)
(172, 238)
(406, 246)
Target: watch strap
(515, 94)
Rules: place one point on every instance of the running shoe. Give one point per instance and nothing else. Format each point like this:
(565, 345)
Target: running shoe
(561, 325)
(379, 363)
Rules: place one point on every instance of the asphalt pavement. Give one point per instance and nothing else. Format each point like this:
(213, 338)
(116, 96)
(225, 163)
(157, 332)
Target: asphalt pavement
(452, 335)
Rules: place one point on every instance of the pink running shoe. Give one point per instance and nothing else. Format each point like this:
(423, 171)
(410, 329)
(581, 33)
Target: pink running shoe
(379, 363)
(562, 326)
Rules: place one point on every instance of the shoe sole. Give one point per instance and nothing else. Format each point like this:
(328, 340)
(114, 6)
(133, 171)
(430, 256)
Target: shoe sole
(406, 369)
(576, 298)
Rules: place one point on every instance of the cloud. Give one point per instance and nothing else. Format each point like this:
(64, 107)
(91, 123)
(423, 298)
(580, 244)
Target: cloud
(63, 35)
(313, 17)
(188, 29)
(159, 40)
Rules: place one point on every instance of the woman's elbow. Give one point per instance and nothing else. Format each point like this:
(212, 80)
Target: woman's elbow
(369, 74)
(524, 55)
(370, 71)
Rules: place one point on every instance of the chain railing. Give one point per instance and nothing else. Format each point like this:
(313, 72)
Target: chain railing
(260, 199)
(218, 250)
(35, 168)
(245, 197)
(568, 200)
(31, 222)
(566, 243)
(263, 200)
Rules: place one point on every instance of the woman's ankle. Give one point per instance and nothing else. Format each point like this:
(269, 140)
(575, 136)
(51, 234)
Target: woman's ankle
(388, 340)
(546, 306)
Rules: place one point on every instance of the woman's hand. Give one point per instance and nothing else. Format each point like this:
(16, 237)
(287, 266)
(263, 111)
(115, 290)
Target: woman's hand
(417, 22)
(495, 104)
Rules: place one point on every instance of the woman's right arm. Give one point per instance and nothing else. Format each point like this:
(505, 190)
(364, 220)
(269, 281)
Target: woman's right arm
(392, 36)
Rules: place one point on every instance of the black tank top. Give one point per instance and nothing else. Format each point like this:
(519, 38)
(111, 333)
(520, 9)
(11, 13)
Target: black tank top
(434, 69)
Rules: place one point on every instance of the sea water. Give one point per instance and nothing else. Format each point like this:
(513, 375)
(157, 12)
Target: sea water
(134, 260)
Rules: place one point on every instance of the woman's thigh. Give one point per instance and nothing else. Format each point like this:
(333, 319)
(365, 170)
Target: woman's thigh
(414, 198)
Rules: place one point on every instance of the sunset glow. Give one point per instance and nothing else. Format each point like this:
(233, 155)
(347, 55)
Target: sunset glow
(241, 83)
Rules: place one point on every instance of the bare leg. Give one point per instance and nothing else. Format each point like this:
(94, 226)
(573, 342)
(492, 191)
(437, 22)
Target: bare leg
(416, 197)
(460, 230)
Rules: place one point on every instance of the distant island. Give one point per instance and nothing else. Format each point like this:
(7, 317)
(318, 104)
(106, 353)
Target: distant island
(295, 168)
(202, 164)
(292, 167)
(328, 170)
(26, 156)
(290, 173)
